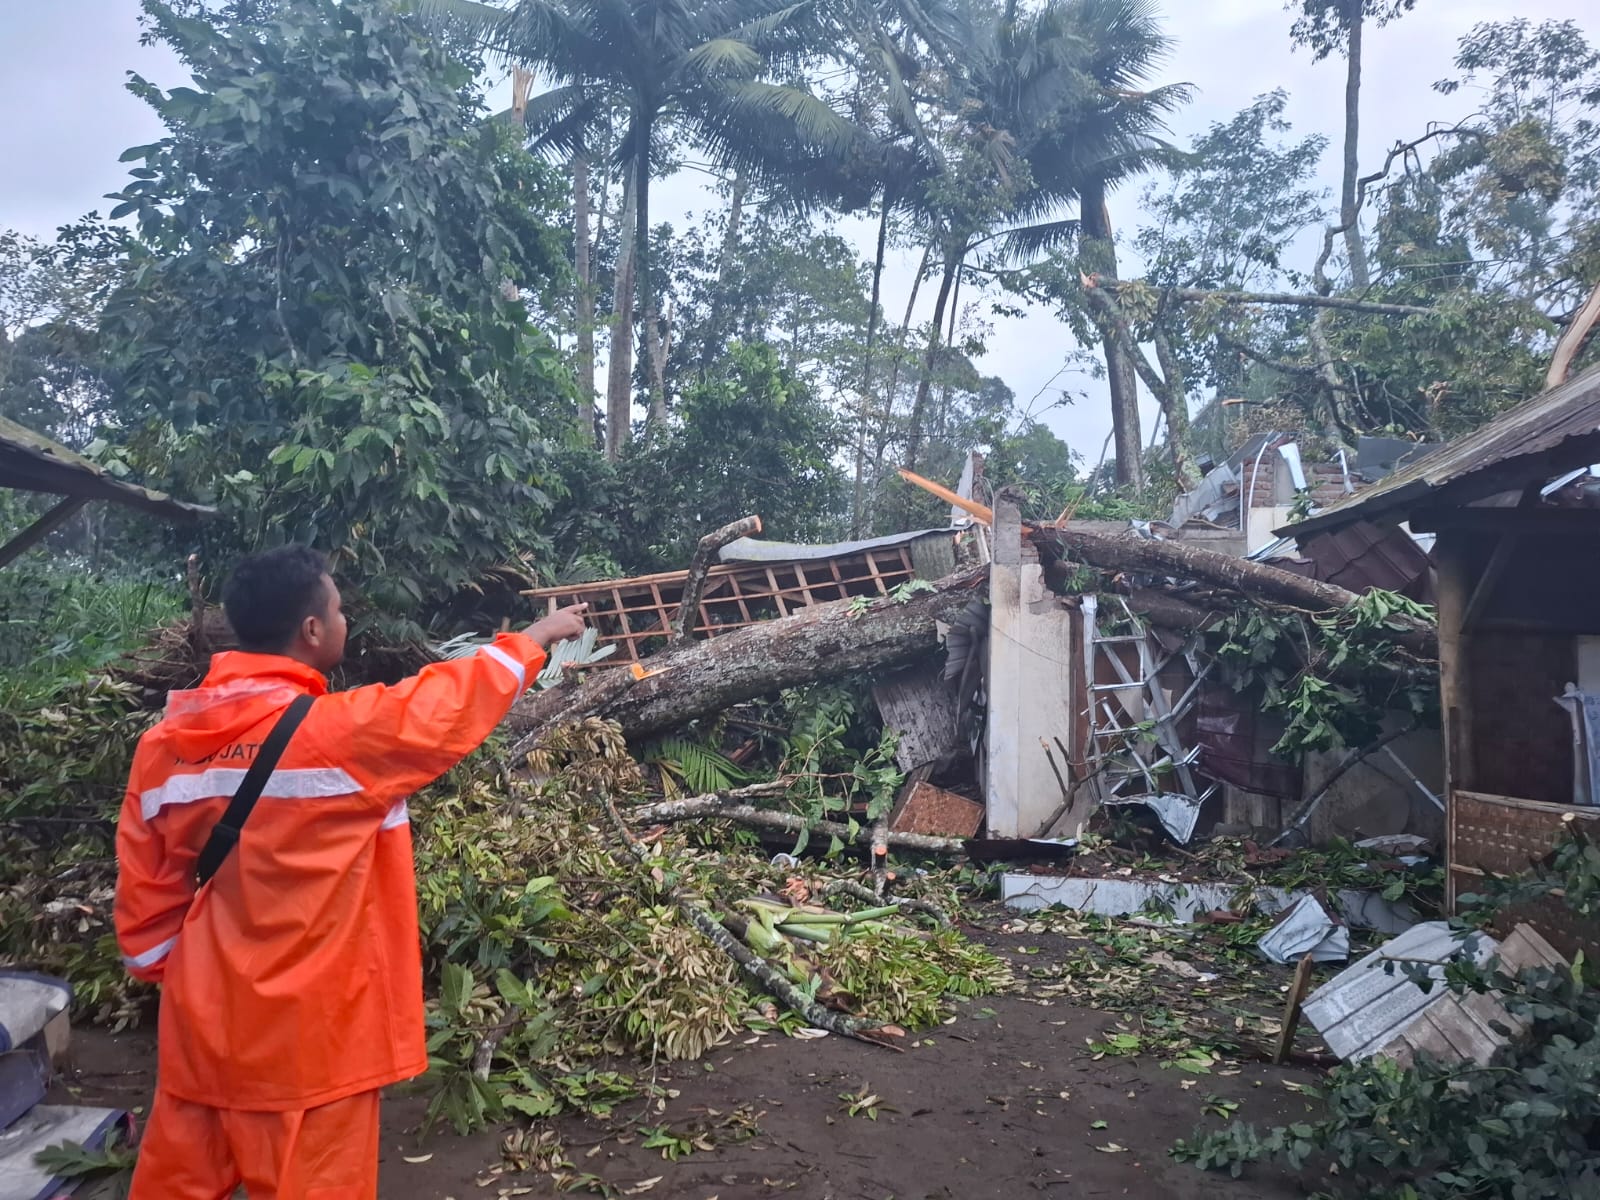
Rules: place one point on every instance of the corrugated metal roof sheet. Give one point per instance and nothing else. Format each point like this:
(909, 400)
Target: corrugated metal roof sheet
(33, 463)
(756, 550)
(1568, 413)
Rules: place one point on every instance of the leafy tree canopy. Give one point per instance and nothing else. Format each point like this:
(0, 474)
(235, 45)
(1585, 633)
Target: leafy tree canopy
(325, 326)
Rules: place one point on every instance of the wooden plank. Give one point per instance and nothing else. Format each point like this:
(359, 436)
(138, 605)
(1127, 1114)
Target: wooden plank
(918, 705)
(1291, 1008)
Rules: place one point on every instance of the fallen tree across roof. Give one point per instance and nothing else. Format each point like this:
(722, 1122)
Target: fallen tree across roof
(694, 679)
(1131, 553)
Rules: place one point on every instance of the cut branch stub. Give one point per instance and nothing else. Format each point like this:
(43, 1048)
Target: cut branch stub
(705, 554)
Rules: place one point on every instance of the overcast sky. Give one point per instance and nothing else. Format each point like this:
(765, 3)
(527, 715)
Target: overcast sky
(64, 64)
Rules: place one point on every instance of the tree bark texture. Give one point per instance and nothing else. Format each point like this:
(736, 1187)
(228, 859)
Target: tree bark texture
(1100, 258)
(710, 676)
(1131, 553)
(619, 389)
(1349, 208)
(583, 290)
(705, 555)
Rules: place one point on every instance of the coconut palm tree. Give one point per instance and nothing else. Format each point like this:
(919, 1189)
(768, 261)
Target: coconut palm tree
(710, 71)
(1052, 108)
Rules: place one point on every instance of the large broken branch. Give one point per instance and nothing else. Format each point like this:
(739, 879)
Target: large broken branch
(1138, 555)
(692, 680)
(716, 807)
(705, 554)
(763, 973)
(1572, 340)
(1289, 299)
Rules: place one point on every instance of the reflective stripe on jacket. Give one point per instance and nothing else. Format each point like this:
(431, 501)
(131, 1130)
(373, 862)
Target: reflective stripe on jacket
(295, 978)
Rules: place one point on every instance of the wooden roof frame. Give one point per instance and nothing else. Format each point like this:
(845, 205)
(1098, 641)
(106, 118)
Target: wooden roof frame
(31, 462)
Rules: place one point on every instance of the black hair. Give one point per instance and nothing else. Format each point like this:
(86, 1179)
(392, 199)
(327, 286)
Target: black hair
(270, 593)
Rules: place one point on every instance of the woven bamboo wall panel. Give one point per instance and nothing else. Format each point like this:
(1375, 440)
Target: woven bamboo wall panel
(1500, 835)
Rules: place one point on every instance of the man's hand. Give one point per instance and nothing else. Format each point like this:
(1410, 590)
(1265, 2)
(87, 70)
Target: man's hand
(560, 626)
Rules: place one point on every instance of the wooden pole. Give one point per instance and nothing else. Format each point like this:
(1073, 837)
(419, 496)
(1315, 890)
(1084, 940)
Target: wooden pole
(1453, 588)
(1291, 1010)
(41, 529)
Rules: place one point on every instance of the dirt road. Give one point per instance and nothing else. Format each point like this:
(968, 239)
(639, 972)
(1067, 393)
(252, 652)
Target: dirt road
(1006, 1102)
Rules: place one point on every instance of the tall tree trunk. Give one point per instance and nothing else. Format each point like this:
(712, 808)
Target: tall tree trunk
(647, 296)
(583, 293)
(881, 442)
(858, 495)
(1099, 253)
(919, 406)
(1174, 398)
(619, 390)
(725, 259)
(1349, 216)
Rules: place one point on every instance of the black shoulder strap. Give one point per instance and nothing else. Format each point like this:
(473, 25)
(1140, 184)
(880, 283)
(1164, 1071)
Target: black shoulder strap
(226, 831)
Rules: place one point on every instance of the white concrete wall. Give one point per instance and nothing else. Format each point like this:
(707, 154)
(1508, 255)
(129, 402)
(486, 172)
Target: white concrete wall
(1032, 659)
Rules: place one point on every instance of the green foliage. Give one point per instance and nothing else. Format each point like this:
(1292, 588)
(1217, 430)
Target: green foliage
(325, 308)
(67, 728)
(907, 978)
(687, 766)
(75, 1162)
(1332, 678)
(747, 438)
(836, 761)
(1516, 1128)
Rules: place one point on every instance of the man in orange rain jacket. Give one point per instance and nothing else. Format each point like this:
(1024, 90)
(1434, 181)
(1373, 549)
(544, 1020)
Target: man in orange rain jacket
(292, 982)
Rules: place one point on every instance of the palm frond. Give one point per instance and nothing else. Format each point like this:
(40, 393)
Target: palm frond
(1029, 242)
(724, 57)
(784, 112)
(702, 768)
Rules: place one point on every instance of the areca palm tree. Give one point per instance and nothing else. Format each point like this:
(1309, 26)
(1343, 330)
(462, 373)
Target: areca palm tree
(708, 69)
(1054, 105)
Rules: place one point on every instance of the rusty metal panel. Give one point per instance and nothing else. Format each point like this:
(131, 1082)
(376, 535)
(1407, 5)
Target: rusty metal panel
(933, 810)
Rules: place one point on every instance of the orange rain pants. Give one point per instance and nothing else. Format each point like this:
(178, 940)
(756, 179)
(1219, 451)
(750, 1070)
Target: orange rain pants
(291, 984)
(196, 1152)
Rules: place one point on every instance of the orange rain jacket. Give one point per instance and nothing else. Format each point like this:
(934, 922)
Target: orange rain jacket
(294, 978)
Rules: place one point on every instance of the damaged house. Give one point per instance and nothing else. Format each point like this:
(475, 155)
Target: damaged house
(1514, 507)
(1051, 702)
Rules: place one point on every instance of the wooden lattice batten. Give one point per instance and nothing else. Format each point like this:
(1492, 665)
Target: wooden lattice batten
(635, 614)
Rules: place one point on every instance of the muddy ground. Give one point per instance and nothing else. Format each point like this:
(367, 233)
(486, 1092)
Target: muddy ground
(1007, 1101)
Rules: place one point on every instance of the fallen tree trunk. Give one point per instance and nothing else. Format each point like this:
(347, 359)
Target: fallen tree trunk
(1130, 553)
(710, 676)
(716, 807)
